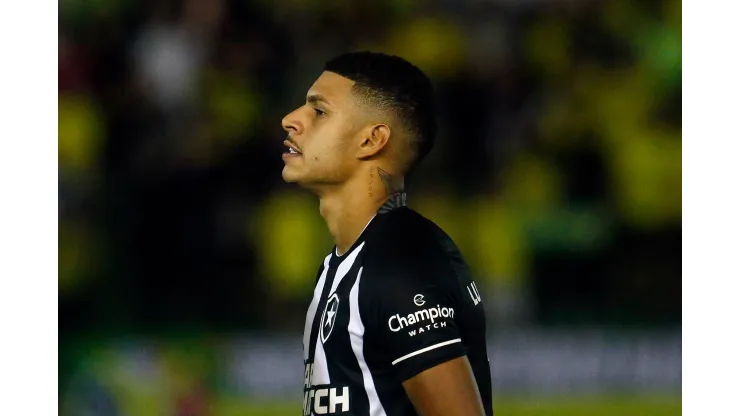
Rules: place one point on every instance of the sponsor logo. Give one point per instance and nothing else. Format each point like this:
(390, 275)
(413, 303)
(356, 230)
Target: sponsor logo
(329, 317)
(419, 300)
(323, 400)
(429, 327)
(398, 322)
(474, 293)
(327, 400)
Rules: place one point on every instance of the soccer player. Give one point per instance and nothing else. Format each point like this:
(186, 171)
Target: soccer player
(396, 325)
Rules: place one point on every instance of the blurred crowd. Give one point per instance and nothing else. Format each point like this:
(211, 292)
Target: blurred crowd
(557, 169)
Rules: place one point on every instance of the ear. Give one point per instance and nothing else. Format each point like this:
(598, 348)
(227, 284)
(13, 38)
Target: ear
(374, 139)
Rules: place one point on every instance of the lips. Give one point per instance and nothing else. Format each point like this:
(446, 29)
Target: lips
(292, 148)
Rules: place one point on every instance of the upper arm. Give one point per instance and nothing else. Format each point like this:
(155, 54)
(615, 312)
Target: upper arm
(448, 389)
(412, 311)
(411, 318)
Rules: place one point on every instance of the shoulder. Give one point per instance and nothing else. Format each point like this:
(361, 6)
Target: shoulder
(408, 249)
(410, 265)
(405, 231)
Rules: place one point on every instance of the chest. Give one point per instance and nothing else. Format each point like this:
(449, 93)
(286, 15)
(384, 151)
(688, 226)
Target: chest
(335, 301)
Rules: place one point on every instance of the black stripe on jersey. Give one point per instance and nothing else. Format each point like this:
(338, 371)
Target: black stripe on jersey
(344, 369)
(337, 358)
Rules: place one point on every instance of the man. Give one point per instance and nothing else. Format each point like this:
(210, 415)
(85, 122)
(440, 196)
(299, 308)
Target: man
(396, 326)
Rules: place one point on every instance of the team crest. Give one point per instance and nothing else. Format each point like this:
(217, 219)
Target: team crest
(329, 317)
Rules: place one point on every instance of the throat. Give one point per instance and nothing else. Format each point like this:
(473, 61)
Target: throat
(345, 221)
(349, 209)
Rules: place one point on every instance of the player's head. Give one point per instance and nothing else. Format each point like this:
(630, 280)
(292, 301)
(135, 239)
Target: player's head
(366, 108)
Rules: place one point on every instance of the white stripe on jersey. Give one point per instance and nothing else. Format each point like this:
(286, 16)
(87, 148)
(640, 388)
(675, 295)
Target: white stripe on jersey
(344, 267)
(423, 350)
(312, 307)
(356, 333)
(320, 367)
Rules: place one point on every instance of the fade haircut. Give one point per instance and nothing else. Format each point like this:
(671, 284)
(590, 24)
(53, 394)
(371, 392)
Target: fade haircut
(392, 84)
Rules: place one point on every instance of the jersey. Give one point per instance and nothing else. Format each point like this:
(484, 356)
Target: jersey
(401, 300)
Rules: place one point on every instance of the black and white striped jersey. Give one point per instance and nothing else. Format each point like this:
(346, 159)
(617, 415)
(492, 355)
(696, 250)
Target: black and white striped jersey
(399, 302)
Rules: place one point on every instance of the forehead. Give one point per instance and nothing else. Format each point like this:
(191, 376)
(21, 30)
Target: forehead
(334, 87)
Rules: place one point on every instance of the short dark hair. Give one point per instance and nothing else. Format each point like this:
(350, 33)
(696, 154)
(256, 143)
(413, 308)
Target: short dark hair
(394, 84)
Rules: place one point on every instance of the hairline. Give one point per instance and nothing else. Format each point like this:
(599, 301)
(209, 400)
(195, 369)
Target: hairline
(362, 94)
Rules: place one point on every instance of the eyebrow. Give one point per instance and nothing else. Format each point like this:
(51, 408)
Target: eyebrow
(317, 98)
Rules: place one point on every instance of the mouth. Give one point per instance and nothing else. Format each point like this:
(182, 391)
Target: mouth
(292, 149)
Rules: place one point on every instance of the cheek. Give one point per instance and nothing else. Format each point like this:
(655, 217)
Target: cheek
(330, 144)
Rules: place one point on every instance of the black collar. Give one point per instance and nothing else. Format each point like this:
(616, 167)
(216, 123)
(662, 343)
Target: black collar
(395, 201)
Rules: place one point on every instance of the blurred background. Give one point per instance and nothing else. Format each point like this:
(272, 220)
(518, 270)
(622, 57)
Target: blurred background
(557, 171)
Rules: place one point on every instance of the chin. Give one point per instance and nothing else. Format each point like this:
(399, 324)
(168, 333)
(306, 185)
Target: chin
(288, 177)
(302, 181)
(291, 175)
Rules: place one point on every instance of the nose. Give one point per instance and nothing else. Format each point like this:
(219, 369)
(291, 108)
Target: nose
(291, 124)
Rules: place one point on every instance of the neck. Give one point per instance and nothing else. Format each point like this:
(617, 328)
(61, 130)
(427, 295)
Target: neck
(349, 208)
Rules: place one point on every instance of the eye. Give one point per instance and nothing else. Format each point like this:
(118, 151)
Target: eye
(318, 112)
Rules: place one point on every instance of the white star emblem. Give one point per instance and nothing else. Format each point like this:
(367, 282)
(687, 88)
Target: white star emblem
(330, 316)
(331, 313)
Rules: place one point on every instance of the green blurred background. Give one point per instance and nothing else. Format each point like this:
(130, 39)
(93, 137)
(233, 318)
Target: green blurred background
(186, 265)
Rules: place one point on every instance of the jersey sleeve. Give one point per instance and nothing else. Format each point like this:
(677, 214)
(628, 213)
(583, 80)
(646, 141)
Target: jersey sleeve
(412, 317)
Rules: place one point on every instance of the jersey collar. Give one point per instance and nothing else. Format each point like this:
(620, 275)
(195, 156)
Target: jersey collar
(395, 201)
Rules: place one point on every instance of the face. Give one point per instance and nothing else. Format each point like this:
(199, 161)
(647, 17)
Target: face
(321, 142)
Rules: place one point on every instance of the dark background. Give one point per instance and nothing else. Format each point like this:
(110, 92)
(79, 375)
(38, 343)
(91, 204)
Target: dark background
(557, 169)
